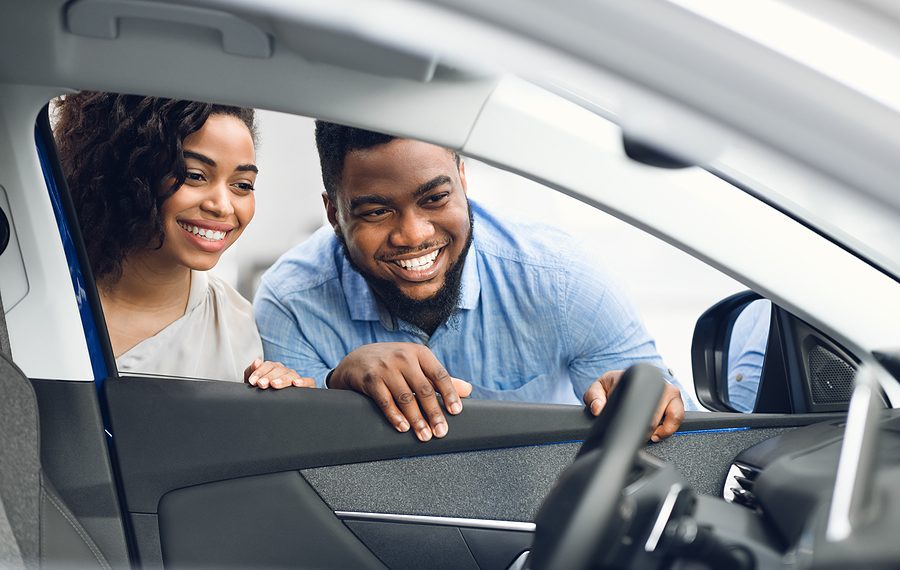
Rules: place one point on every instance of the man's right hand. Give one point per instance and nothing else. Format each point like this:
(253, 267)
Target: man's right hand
(403, 378)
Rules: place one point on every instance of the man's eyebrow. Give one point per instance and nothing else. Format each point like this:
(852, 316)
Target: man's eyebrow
(368, 199)
(432, 184)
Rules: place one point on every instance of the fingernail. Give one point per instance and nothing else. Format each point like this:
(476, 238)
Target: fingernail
(654, 438)
(424, 434)
(253, 378)
(595, 407)
(403, 427)
(455, 408)
(440, 430)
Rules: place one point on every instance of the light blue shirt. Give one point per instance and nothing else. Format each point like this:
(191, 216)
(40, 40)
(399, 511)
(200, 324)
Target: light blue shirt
(747, 353)
(537, 320)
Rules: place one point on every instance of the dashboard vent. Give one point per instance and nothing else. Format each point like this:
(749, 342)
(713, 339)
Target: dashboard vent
(739, 485)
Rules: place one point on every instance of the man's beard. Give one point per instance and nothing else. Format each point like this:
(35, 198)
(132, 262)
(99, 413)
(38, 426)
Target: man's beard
(427, 314)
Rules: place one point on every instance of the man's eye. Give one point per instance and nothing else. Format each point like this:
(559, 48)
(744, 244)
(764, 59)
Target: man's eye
(246, 186)
(437, 198)
(374, 214)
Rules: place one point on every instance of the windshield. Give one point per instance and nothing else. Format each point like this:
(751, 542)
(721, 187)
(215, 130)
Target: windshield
(852, 44)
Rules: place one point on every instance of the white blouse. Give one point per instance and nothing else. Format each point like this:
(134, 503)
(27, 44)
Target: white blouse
(215, 339)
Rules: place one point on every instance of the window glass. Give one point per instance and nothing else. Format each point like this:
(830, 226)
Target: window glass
(669, 287)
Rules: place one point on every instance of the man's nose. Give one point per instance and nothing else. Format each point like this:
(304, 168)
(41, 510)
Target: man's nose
(218, 200)
(412, 230)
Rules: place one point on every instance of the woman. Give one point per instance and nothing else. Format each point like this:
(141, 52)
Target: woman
(162, 188)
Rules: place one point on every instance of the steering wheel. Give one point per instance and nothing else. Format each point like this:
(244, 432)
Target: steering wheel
(576, 524)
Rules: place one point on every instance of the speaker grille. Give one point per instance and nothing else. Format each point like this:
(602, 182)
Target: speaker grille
(832, 377)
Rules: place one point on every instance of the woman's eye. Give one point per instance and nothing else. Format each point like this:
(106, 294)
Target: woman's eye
(195, 176)
(246, 186)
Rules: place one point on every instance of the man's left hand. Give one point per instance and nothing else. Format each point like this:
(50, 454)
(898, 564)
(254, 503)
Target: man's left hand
(668, 415)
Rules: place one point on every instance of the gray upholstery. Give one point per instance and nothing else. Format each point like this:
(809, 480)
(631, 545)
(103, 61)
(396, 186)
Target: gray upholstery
(44, 531)
(10, 555)
(64, 543)
(20, 484)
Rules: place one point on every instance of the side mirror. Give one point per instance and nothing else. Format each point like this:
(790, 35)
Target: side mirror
(749, 355)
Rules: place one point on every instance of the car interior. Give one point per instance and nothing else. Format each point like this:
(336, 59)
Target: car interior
(107, 470)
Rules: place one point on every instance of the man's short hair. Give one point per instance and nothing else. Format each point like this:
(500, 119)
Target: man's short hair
(335, 141)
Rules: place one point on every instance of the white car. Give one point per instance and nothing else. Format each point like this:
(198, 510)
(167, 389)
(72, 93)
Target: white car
(762, 141)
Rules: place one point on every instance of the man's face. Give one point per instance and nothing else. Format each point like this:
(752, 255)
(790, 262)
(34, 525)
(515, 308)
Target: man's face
(403, 215)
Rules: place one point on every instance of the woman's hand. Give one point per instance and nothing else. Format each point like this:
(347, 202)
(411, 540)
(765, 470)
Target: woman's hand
(265, 374)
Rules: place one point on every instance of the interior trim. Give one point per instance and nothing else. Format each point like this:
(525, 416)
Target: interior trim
(440, 521)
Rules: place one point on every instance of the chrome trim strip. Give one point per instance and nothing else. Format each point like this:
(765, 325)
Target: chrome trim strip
(440, 521)
(855, 478)
(665, 513)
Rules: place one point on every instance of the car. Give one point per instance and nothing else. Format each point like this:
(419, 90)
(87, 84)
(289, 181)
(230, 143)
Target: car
(770, 162)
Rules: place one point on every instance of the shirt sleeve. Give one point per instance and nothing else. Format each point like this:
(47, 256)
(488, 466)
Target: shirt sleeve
(747, 353)
(283, 340)
(604, 330)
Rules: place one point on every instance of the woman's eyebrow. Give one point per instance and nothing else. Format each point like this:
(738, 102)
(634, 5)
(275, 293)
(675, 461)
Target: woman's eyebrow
(207, 160)
(201, 157)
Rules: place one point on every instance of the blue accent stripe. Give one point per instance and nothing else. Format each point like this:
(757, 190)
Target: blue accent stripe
(715, 430)
(91, 336)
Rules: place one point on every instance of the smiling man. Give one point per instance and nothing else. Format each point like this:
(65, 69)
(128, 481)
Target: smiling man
(414, 280)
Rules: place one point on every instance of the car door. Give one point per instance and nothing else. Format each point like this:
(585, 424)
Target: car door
(175, 471)
(222, 474)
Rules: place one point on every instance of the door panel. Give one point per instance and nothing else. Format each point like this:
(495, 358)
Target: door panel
(270, 521)
(213, 459)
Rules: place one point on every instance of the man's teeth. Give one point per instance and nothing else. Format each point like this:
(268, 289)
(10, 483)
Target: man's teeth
(419, 263)
(207, 234)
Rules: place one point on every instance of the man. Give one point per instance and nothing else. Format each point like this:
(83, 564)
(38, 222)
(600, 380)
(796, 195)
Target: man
(413, 280)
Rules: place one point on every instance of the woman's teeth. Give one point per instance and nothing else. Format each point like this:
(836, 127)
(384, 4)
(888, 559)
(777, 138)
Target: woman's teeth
(419, 263)
(207, 234)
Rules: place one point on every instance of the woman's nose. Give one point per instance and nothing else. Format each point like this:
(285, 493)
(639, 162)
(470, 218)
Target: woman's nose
(218, 201)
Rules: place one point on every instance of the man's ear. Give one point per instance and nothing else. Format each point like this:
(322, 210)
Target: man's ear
(330, 211)
(462, 175)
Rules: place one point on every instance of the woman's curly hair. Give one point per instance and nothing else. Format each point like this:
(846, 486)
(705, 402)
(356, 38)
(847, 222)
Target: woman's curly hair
(117, 153)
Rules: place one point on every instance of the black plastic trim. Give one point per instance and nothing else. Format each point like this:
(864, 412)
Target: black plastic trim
(4, 231)
(174, 433)
(74, 458)
(709, 353)
(651, 155)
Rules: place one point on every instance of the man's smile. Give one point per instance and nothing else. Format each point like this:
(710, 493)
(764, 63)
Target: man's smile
(423, 267)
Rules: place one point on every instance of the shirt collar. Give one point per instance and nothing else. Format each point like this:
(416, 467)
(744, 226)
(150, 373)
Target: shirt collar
(199, 287)
(364, 306)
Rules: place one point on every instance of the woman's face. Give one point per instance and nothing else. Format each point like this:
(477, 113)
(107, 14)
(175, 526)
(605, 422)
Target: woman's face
(210, 210)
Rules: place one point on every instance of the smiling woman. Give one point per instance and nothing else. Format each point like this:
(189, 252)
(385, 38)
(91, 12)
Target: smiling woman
(162, 188)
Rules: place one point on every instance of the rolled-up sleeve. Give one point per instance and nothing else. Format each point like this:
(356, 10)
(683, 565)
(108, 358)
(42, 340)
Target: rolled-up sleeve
(604, 330)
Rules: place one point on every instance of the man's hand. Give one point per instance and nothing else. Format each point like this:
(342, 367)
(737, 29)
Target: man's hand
(265, 374)
(403, 379)
(668, 415)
